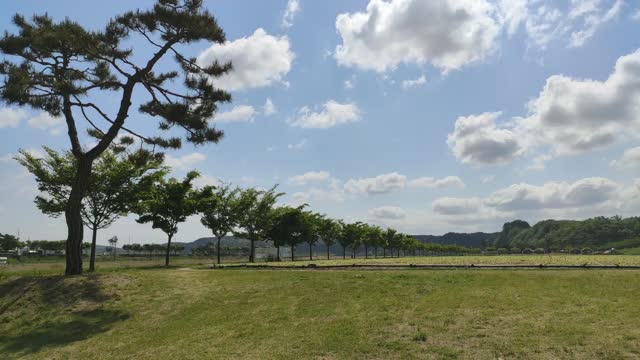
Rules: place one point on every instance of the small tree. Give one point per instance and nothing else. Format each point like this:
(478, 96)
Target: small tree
(388, 242)
(256, 216)
(168, 204)
(9, 242)
(310, 224)
(329, 231)
(64, 69)
(114, 186)
(220, 212)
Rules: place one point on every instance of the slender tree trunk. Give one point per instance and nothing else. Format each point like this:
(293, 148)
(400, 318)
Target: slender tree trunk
(293, 251)
(75, 227)
(278, 252)
(366, 251)
(166, 258)
(310, 252)
(384, 252)
(218, 250)
(344, 252)
(353, 256)
(92, 259)
(375, 252)
(252, 252)
(328, 252)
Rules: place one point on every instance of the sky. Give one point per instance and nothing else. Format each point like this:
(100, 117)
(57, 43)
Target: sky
(426, 116)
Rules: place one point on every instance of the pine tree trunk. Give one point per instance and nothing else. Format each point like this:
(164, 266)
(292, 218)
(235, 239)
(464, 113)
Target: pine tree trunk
(92, 259)
(166, 258)
(218, 251)
(75, 227)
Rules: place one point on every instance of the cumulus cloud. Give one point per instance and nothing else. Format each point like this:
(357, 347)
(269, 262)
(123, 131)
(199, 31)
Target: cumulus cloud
(310, 176)
(185, 161)
(44, 121)
(406, 84)
(476, 140)
(629, 160)
(332, 114)
(568, 116)
(456, 206)
(293, 7)
(376, 185)
(446, 33)
(584, 192)
(545, 200)
(240, 113)
(258, 60)
(11, 118)
(333, 192)
(269, 108)
(432, 183)
(388, 212)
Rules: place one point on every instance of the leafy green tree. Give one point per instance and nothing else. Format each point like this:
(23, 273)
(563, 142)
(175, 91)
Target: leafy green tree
(256, 216)
(169, 203)
(352, 235)
(389, 241)
(9, 242)
(310, 224)
(114, 186)
(329, 231)
(63, 69)
(220, 212)
(373, 238)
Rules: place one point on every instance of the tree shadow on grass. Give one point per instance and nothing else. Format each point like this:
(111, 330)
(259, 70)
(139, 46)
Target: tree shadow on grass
(41, 312)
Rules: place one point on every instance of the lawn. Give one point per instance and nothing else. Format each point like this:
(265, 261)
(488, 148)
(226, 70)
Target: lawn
(183, 313)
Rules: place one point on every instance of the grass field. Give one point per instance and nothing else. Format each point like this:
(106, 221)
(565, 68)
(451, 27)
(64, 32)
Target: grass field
(153, 313)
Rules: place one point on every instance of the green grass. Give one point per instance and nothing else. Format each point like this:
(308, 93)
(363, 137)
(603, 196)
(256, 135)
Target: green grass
(260, 314)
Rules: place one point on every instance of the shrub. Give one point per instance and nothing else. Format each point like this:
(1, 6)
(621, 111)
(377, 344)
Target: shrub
(516, 250)
(503, 251)
(527, 251)
(539, 251)
(586, 251)
(575, 251)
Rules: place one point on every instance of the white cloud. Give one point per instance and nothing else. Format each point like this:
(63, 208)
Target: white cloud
(239, 113)
(431, 182)
(293, 7)
(593, 19)
(584, 192)
(407, 84)
(568, 116)
(269, 108)
(45, 121)
(446, 33)
(185, 161)
(333, 114)
(11, 118)
(636, 15)
(456, 206)
(258, 60)
(333, 192)
(539, 162)
(310, 176)
(388, 212)
(476, 140)
(629, 160)
(376, 185)
(299, 145)
(206, 180)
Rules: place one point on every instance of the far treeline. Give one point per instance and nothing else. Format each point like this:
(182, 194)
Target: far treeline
(599, 233)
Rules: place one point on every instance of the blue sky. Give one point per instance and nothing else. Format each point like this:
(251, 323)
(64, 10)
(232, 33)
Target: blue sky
(398, 113)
